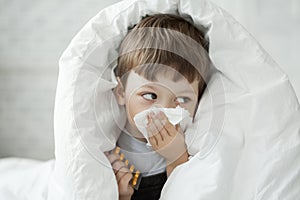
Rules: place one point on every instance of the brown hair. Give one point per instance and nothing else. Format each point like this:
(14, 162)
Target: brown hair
(167, 40)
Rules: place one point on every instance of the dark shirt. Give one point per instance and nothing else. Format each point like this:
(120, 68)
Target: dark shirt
(150, 187)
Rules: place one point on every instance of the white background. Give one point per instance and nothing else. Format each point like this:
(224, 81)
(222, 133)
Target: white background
(34, 33)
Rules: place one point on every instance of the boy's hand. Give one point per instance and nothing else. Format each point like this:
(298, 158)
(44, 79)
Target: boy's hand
(123, 176)
(166, 140)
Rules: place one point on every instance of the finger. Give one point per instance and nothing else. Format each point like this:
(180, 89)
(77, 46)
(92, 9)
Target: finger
(148, 119)
(153, 142)
(113, 158)
(162, 119)
(179, 130)
(167, 125)
(165, 134)
(156, 127)
(151, 129)
(159, 124)
(124, 178)
(119, 166)
(121, 172)
(124, 186)
(158, 121)
(171, 130)
(156, 136)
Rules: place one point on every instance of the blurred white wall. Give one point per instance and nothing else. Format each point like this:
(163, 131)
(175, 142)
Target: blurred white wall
(276, 26)
(33, 35)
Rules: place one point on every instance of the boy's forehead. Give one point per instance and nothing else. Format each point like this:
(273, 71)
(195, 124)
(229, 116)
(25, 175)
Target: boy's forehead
(136, 81)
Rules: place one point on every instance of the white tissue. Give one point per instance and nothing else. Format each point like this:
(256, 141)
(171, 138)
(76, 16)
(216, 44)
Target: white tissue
(174, 115)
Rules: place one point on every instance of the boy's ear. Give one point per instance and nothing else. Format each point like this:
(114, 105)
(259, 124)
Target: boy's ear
(120, 92)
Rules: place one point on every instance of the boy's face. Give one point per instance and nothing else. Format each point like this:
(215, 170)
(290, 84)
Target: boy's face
(141, 94)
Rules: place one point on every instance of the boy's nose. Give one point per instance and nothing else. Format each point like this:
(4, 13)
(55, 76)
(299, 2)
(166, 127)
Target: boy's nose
(167, 103)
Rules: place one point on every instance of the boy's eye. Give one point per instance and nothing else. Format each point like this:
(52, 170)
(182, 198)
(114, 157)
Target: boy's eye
(183, 99)
(149, 96)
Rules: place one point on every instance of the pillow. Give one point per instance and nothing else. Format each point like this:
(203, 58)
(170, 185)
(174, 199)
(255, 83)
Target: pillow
(245, 139)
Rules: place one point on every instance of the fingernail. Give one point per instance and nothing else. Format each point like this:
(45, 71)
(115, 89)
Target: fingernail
(161, 114)
(152, 114)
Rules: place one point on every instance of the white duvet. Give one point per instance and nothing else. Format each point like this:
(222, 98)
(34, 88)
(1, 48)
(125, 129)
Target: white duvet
(245, 142)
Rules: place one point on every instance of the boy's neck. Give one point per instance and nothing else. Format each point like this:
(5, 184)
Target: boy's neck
(135, 133)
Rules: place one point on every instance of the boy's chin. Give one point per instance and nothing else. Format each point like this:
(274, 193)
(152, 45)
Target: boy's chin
(138, 136)
(135, 133)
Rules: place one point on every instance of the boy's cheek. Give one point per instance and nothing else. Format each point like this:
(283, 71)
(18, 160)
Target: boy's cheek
(192, 109)
(137, 107)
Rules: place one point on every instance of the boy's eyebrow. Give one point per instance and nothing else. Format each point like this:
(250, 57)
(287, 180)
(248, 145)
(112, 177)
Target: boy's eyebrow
(148, 86)
(180, 92)
(188, 92)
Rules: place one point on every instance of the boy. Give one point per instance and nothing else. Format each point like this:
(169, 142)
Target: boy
(150, 73)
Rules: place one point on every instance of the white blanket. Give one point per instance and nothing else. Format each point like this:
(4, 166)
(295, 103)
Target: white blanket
(246, 138)
(22, 179)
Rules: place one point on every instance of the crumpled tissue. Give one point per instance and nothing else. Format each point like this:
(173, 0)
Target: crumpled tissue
(174, 115)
